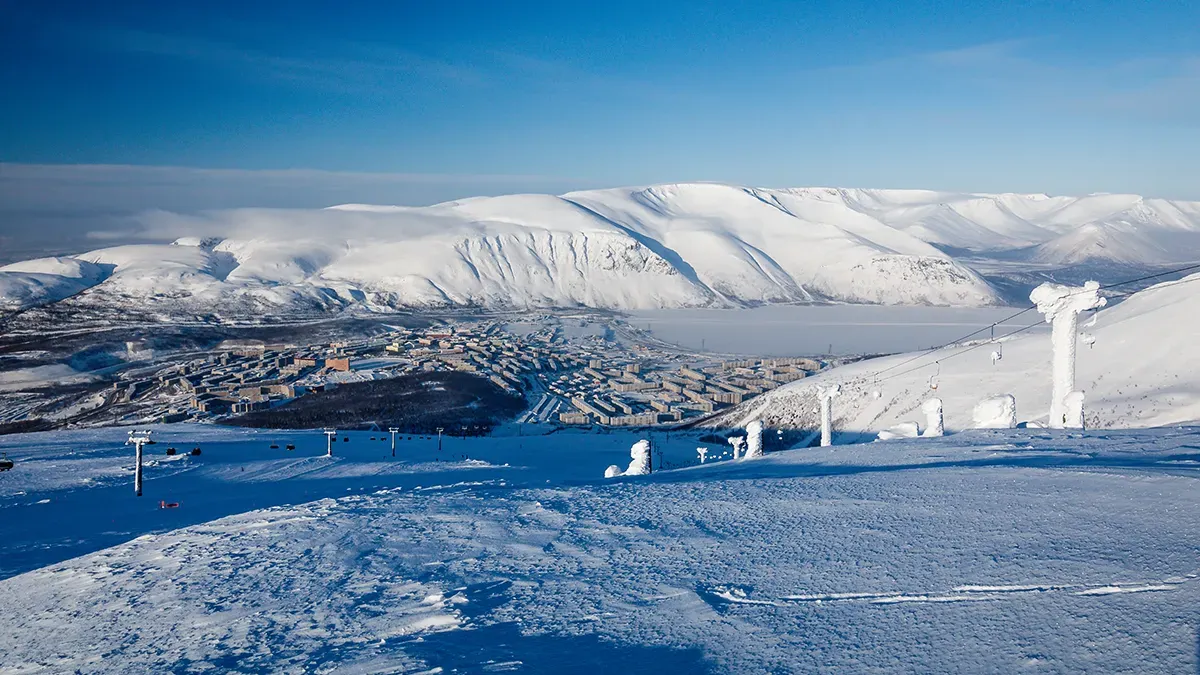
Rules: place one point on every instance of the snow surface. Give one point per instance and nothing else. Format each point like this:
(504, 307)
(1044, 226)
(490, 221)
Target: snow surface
(679, 245)
(46, 280)
(986, 551)
(1142, 370)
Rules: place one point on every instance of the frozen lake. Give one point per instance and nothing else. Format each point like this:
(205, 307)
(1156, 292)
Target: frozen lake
(800, 330)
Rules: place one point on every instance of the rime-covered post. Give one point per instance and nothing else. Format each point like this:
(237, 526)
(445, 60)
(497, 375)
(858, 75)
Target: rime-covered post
(827, 395)
(138, 439)
(393, 431)
(1061, 306)
(702, 452)
(330, 434)
(934, 422)
(1074, 407)
(754, 432)
(736, 442)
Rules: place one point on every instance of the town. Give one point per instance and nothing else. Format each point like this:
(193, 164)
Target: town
(595, 379)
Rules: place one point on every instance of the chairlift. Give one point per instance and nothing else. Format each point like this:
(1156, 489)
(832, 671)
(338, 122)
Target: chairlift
(274, 446)
(933, 379)
(6, 464)
(290, 446)
(195, 451)
(170, 451)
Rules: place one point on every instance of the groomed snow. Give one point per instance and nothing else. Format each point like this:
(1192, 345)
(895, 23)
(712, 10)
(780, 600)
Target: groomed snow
(988, 551)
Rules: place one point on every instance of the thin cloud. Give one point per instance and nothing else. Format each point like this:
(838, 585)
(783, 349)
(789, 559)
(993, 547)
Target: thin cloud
(356, 67)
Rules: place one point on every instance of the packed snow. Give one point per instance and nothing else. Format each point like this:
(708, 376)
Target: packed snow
(985, 551)
(663, 246)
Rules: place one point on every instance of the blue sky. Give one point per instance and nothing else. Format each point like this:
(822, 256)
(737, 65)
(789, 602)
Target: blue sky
(447, 99)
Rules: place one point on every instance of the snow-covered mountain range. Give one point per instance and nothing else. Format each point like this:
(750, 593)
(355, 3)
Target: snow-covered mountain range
(1141, 370)
(677, 245)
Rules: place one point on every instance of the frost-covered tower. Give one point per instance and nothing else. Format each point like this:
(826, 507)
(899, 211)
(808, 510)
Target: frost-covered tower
(1061, 306)
(827, 395)
(754, 432)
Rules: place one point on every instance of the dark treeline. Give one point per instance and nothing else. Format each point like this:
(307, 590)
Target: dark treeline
(460, 403)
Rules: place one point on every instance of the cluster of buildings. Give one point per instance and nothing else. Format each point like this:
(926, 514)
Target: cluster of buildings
(510, 361)
(640, 394)
(589, 379)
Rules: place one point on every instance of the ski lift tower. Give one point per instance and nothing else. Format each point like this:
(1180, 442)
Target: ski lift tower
(393, 431)
(1061, 305)
(330, 434)
(138, 439)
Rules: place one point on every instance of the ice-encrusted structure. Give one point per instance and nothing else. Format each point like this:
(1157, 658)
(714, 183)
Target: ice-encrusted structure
(1061, 306)
(934, 423)
(754, 432)
(737, 443)
(1074, 412)
(827, 395)
(997, 412)
(639, 462)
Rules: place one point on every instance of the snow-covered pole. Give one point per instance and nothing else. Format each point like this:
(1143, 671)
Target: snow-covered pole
(1061, 306)
(138, 439)
(934, 422)
(736, 443)
(1074, 406)
(393, 431)
(702, 452)
(330, 434)
(827, 395)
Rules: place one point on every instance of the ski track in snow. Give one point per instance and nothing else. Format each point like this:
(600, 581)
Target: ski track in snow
(887, 557)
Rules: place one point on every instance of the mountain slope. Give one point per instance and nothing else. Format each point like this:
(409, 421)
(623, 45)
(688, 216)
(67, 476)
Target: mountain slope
(664, 246)
(676, 245)
(1142, 370)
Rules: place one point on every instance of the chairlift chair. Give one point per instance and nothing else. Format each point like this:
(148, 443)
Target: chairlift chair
(933, 379)
(6, 464)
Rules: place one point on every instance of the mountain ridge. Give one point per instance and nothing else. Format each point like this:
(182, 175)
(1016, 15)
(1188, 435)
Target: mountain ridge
(643, 247)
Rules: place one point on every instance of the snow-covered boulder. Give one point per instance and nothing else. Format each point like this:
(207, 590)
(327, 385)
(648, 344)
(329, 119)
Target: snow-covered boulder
(612, 471)
(902, 430)
(998, 412)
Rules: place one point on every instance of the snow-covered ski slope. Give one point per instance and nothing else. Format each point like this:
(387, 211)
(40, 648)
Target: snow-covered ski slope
(679, 245)
(1142, 370)
(987, 551)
